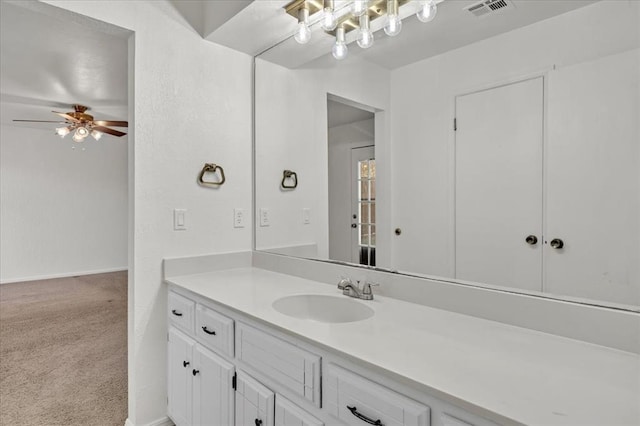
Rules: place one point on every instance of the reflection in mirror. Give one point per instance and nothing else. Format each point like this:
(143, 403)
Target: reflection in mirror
(504, 148)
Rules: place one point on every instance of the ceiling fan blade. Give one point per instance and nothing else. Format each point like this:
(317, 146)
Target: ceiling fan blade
(111, 123)
(42, 121)
(67, 117)
(108, 131)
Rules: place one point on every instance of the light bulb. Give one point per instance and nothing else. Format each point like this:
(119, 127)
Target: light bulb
(303, 33)
(340, 50)
(358, 7)
(365, 37)
(80, 134)
(63, 131)
(428, 11)
(329, 19)
(96, 134)
(394, 23)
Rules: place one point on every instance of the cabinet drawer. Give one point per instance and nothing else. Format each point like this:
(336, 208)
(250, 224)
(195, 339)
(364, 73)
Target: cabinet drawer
(289, 365)
(214, 330)
(181, 312)
(354, 399)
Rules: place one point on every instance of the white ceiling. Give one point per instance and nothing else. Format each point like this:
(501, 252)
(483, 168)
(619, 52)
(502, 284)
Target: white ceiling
(339, 114)
(264, 23)
(51, 60)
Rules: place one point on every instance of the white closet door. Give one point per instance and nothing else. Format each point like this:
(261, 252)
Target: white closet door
(593, 174)
(254, 402)
(180, 362)
(213, 389)
(499, 142)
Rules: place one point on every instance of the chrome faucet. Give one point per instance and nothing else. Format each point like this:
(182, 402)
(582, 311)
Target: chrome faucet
(353, 290)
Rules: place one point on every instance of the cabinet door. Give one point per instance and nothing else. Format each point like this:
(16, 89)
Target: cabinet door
(212, 389)
(593, 195)
(498, 178)
(289, 414)
(254, 403)
(179, 377)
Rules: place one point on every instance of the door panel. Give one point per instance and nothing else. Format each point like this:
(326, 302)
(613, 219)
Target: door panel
(213, 391)
(498, 192)
(363, 197)
(179, 377)
(594, 180)
(254, 402)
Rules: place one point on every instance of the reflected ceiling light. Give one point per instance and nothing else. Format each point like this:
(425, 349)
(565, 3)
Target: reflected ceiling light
(96, 134)
(80, 134)
(394, 23)
(329, 19)
(358, 7)
(340, 49)
(303, 33)
(428, 11)
(339, 18)
(365, 36)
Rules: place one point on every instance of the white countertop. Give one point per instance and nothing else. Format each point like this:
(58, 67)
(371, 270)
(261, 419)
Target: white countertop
(510, 373)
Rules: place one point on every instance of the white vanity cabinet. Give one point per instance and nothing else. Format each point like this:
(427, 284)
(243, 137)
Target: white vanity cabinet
(200, 383)
(227, 369)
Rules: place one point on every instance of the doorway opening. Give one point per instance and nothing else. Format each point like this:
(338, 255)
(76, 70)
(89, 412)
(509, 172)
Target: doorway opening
(352, 182)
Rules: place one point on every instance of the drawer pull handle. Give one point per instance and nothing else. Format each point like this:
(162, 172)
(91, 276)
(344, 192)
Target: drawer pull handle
(194, 372)
(185, 363)
(204, 328)
(364, 418)
(258, 422)
(176, 313)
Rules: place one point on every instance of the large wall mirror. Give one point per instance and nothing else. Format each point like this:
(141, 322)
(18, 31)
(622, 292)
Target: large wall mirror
(499, 149)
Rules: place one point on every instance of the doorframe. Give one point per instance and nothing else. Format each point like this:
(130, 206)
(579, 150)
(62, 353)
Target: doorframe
(544, 74)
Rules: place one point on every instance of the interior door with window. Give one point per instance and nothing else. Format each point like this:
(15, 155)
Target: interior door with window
(498, 185)
(363, 212)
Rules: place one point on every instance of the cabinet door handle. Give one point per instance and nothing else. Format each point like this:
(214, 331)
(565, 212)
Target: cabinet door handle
(185, 363)
(364, 418)
(557, 243)
(258, 422)
(204, 328)
(176, 313)
(194, 372)
(532, 240)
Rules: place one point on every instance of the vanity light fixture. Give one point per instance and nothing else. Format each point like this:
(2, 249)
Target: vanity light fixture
(339, 18)
(329, 19)
(340, 49)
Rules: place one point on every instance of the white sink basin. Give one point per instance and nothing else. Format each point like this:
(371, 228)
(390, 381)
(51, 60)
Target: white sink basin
(323, 308)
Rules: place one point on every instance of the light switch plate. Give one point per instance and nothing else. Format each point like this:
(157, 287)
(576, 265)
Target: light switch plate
(238, 218)
(306, 216)
(264, 217)
(179, 219)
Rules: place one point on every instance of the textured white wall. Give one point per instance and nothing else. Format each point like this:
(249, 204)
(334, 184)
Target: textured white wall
(292, 134)
(190, 104)
(63, 211)
(423, 101)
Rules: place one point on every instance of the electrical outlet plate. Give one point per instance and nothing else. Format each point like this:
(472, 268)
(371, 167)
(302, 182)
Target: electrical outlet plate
(238, 218)
(306, 216)
(264, 217)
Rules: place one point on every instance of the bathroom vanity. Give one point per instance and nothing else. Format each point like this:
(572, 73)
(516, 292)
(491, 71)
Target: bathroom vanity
(234, 357)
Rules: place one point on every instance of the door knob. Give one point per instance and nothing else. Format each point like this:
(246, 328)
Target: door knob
(354, 225)
(557, 243)
(532, 240)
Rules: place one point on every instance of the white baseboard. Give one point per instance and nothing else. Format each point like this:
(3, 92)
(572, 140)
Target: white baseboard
(63, 275)
(165, 421)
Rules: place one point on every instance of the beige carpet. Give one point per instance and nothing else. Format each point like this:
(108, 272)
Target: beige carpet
(63, 351)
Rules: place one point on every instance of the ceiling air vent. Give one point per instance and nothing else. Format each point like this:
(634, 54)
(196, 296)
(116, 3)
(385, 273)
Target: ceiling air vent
(487, 7)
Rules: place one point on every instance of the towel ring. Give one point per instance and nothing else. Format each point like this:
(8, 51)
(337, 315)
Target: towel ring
(288, 174)
(211, 168)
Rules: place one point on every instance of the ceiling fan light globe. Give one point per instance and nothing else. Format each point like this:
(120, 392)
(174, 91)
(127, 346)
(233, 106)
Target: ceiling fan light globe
(63, 131)
(96, 134)
(80, 134)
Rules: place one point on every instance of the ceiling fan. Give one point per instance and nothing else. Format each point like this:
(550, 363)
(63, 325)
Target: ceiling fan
(83, 124)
